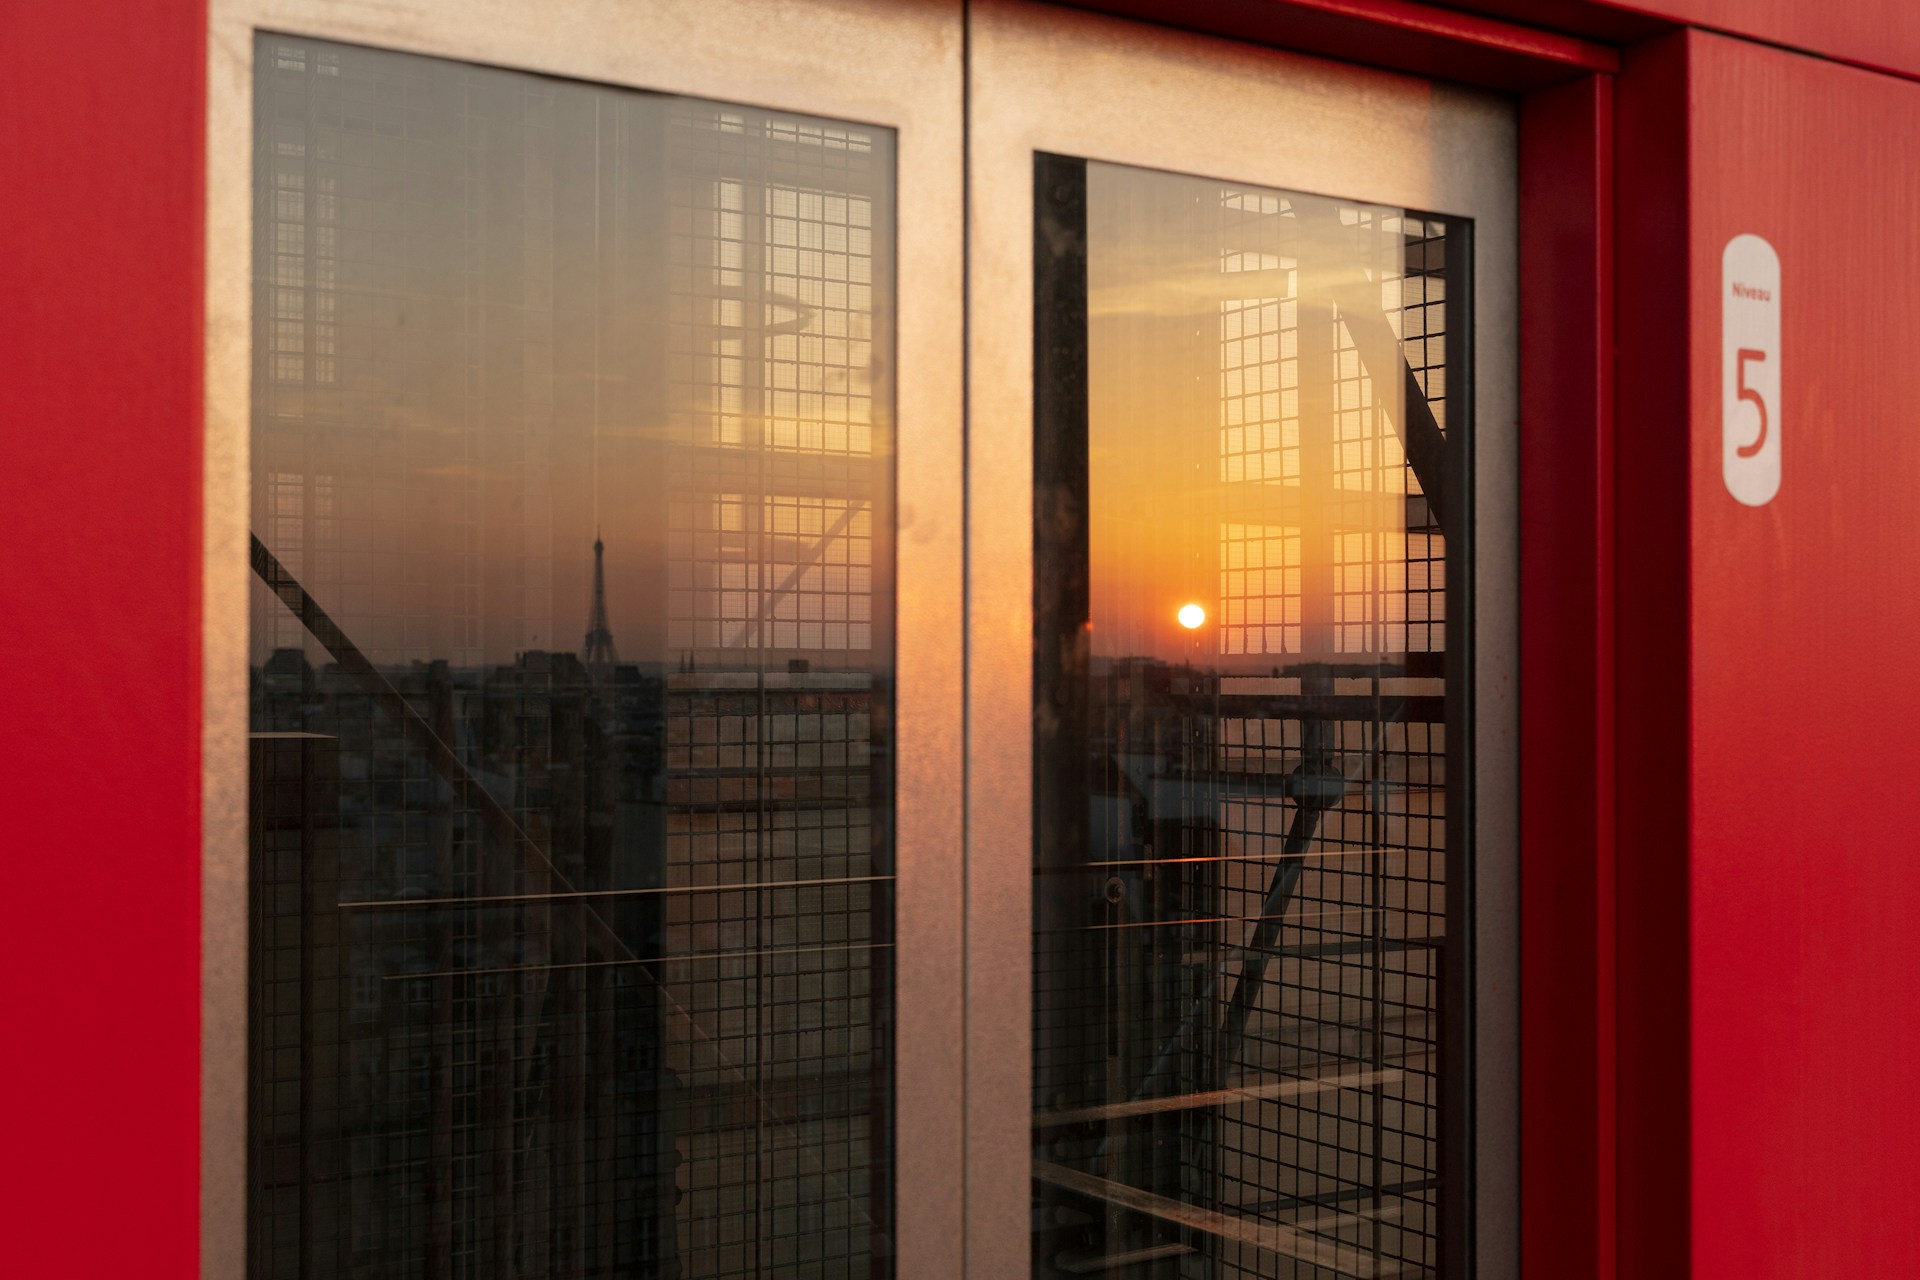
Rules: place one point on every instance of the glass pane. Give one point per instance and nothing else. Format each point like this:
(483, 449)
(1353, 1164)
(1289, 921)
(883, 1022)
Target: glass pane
(571, 663)
(1243, 687)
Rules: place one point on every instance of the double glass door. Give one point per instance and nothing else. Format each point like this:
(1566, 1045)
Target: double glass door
(841, 684)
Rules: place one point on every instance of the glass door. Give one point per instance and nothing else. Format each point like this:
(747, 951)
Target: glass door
(594, 727)
(650, 833)
(1243, 350)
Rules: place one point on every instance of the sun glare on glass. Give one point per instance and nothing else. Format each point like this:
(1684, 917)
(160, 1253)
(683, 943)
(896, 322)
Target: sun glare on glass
(1191, 616)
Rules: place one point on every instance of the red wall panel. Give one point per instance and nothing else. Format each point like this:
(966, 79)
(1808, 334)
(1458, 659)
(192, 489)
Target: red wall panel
(1786, 834)
(1806, 689)
(100, 273)
(1874, 33)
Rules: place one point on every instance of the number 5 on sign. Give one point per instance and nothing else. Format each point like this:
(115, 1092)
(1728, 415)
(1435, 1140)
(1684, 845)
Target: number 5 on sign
(1750, 369)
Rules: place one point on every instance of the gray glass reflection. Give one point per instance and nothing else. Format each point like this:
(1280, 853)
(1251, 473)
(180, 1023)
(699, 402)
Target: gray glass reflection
(571, 663)
(1244, 684)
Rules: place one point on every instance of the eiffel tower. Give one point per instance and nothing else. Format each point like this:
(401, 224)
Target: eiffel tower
(598, 653)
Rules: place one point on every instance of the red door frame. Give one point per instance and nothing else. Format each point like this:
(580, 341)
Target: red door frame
(103, 155)
(1567, 709)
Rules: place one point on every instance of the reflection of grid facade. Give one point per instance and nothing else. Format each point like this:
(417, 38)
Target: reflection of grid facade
(1389, 572)
(390, 196)
(1416, 303)
(1259, 433)
(1237, 990)
(564, 969)
(773, 302)
(811, 589)
(770, 794)
(1351, 988)
(772, 621)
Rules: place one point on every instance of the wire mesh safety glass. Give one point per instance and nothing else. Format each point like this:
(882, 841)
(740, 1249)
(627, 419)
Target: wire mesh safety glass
(571, 679)
(1248, 728)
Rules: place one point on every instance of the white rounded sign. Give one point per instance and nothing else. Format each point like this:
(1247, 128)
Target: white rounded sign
(1750, 418)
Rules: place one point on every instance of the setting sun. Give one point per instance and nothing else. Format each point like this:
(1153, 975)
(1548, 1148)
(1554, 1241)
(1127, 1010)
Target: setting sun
(1191, 616)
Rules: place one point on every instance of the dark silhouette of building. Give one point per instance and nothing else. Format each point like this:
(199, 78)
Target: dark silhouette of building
(449, 1071)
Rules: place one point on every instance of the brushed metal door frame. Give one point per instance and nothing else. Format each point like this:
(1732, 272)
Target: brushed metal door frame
(879, 62)
(1101, 88)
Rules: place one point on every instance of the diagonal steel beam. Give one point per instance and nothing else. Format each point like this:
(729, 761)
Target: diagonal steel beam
(805, 562)
(446, 762)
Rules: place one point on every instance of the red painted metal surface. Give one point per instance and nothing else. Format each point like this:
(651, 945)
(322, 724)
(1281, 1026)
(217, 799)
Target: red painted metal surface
(1566, 686)
(1881, 34)
(1653, 653)
(1805, 625)
(101, 159)
(1443, 40)
(1763, 656)
(1395, 34)
(1768, 721)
